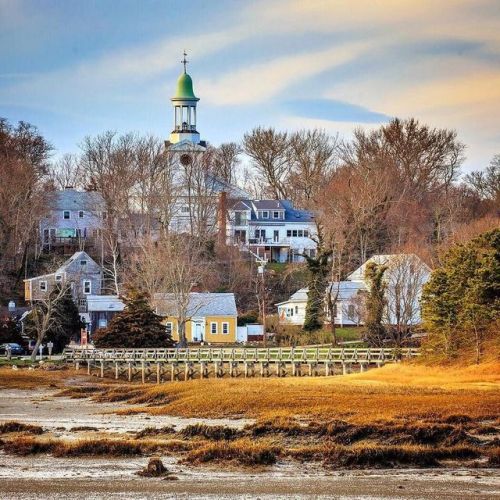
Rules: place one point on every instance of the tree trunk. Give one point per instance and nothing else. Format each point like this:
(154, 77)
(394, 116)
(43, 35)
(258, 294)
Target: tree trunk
(35, 349)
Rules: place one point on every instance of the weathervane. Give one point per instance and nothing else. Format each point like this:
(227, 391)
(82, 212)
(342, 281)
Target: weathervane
(184, 61)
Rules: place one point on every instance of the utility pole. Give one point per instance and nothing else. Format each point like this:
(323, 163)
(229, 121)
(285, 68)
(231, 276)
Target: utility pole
(261, 294)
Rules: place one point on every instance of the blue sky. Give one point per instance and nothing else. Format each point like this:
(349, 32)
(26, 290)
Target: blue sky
(77, 68)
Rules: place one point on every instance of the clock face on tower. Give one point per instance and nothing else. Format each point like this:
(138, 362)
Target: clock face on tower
(186, 159)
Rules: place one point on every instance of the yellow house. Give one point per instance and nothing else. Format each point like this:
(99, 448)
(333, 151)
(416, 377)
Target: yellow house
(212, 317)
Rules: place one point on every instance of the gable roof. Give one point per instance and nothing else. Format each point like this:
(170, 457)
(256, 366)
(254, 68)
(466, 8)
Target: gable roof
(346, 289)
(200, 304)
(386, 259)
(292, 214)
(77, 256)
(71, 199)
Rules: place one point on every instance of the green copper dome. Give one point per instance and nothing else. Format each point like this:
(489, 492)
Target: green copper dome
(184, 88)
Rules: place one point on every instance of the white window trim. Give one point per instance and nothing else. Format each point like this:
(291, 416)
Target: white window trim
(225, 323)
(44, 283)
(212, 323)
(90, 287)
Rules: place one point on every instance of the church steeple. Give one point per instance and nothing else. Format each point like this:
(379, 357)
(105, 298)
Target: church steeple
(184, 103)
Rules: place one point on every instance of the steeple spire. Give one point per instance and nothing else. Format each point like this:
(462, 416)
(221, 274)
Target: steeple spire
(184, 61)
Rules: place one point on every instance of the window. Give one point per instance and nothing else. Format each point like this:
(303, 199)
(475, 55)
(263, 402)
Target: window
(103, 322)
(296, 309)
(294, 233)
(276, 215)
(66, 214)
(43, 286)
(213, 328)
(185, 210)
(288, 233)
(306, 233)
(58, 278)
(83, 262)
(169, 327)
(80, 214)
(240, 218)
(265, 214)
(225, 328)
(351, 312)
(87, 287)
(300, 233)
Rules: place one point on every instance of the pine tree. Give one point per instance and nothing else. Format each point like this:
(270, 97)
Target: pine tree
(67, 323)
(461, 300)
(137, 326)
(375, 303)
(318, 268)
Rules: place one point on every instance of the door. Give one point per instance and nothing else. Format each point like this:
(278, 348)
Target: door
(198, 330)
(276, 236)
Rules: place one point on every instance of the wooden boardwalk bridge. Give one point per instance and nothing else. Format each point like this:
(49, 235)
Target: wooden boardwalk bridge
(159, 365)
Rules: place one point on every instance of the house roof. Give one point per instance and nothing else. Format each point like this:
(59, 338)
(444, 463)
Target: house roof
(76, 256)
(346, 289)
(61, 269)
(71, 199)
(359, 273)
(292, 214)
(200, 304)
(104, 303)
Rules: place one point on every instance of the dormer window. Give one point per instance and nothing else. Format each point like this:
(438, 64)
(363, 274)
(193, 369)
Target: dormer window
(83, 262)
(66, 214)
(265, 214)
(276, 215)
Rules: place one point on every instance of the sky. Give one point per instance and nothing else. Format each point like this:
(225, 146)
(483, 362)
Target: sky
(77, 68)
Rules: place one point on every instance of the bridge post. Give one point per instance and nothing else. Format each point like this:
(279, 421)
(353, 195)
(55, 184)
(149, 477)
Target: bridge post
(362, 367)
(129, 371)
(188, 371)
(143, 373)
(249, 367)
(158, 373)
(116, 370)
(344, 369)
(88, 366)
(77, 366)
(174, 371)
(203, 369)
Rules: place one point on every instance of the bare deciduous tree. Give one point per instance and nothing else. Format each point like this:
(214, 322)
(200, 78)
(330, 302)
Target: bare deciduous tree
(270, 152)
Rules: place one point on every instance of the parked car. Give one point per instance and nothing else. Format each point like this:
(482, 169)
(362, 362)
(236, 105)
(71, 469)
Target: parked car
(15, 349)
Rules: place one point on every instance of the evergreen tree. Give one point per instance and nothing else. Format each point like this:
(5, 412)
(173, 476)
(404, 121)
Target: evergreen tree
(375, 303)
(461, 300)
(10, 331)
(137, 326)
(65, 323)
(318, 268)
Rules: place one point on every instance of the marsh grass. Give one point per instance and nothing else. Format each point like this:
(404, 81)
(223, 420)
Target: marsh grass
(13, 426)
(210, 432)
(242, 452)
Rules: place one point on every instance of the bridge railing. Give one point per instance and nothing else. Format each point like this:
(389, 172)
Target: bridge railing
(245, 354)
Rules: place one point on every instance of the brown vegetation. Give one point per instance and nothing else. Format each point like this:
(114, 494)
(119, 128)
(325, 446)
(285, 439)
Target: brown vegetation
(9, 427)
